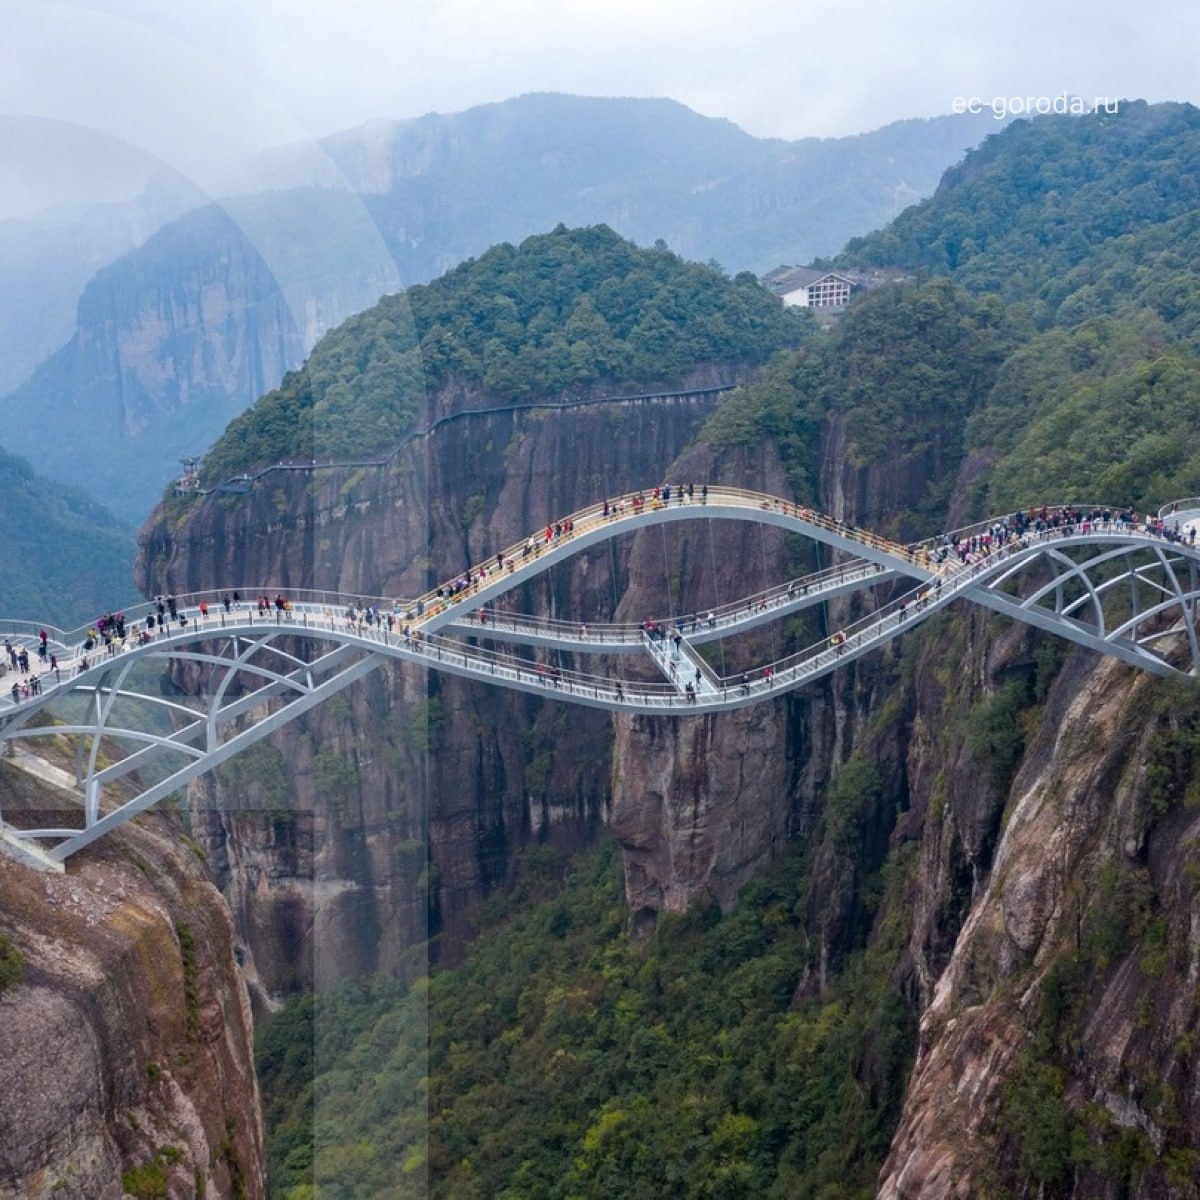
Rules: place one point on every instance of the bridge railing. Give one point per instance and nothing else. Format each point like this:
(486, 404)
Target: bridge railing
(189, 602)
(622, 506)
(1117, 523)
(30, 631)
(611, 511)
(1178, 507)
(881, 622)
(854, 637)
(951, 579)
(717, 616)
(627, 506)
(482, 662)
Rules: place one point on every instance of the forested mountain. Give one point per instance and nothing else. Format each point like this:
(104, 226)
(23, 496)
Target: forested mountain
(993, 837)
(562, 315)
(1073, 217)
(176, 338)
(68, 559)
(1090, 226)
(925, 928)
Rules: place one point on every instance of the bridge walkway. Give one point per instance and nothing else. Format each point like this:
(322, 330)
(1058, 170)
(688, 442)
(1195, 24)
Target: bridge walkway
(1124, 590)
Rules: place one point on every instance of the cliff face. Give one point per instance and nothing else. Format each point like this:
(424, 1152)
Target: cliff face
(406, 798)
(1065, 1001)
(1037, 804)
(48, 259)
(125, 1051)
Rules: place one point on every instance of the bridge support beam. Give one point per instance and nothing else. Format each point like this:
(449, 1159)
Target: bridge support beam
(27, 852)
(1065, 627)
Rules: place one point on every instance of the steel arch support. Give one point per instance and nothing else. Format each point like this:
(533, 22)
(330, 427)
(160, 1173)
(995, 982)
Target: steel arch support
(227, 750)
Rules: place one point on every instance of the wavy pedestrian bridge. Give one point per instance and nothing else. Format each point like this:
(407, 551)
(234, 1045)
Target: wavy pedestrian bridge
(1123, 585)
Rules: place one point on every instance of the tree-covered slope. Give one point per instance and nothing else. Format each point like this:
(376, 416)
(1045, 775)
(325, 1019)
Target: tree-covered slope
(1071, 214)
(563, 314)
(1102, 411)
(569, 1058)
(67, 559)
(897, 378)
(1105, 411)
(1061, 358)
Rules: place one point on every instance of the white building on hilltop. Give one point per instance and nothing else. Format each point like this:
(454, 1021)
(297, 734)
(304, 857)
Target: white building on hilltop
(811, 287)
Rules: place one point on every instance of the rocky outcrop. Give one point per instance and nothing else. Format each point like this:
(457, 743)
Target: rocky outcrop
(125, 1048)
(692, 808)
(1069, 995)
(699, 804)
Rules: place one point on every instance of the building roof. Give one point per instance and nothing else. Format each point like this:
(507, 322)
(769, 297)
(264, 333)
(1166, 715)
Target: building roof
(787, 279)
(783, 280)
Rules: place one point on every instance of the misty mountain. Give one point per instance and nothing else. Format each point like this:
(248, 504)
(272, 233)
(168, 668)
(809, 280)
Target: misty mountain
(175, 339)
(649, 169)
(47, 259)
(181, 334)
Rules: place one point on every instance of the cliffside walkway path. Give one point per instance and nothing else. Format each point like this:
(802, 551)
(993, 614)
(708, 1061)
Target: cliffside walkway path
(1124, 588)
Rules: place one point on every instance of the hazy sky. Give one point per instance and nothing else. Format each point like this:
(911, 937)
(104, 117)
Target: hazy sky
(192, 83)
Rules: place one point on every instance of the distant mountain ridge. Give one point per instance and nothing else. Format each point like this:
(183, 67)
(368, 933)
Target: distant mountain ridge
(180, 335)
(648, 168)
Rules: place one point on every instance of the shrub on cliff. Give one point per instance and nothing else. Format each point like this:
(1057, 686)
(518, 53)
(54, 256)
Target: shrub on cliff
(12, 963)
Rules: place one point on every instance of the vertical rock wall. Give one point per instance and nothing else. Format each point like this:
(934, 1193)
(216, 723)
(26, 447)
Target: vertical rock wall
(407, 797)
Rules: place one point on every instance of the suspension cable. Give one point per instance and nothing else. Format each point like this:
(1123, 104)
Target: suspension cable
(667, 571)
(762, 542)
(712, 555)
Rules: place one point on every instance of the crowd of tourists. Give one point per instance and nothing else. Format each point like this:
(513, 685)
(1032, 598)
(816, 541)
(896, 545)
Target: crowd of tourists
(636, 502)
(112, 632)
(1065, 520)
